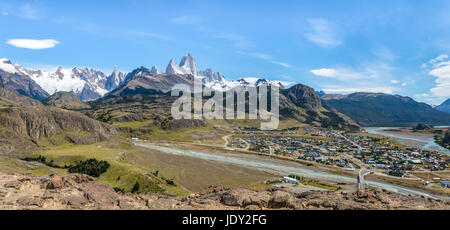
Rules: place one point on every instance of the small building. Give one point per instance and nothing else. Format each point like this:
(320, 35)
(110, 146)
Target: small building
(312, 154)
(416, 161)
(290, 180)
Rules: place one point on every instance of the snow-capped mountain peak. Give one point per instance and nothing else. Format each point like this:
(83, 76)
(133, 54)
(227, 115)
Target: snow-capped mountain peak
(188, 65)
(86, 83)
(7, 66)
(216, 80)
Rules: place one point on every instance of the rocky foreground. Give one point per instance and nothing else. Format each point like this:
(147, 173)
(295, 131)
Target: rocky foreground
(77, 191)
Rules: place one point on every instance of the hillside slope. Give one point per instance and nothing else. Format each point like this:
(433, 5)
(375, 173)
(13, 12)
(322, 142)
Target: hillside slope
(10, 97)
(21, 128)
(444, 107)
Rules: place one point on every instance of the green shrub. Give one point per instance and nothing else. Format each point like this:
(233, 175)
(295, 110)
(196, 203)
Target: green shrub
(91, 167)
(135, 188)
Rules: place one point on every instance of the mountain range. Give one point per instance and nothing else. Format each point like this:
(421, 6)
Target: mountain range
(366, 109)
(91, 84)
(444, 107)
(378, 109)
(87, 83)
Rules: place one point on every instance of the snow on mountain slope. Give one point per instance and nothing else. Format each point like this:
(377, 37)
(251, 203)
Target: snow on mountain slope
(216, 80)
(7, 66)
(88, 84)
(12, 77)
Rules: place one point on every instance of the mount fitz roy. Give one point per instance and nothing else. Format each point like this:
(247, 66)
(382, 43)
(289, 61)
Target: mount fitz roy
(90, 84)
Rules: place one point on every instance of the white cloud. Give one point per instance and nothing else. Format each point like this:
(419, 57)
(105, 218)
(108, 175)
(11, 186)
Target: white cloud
(187, 20)
(285, 65)
(265, 57)
(373, 78)
(441, 70)
(439, 58)
(322, 33)
(404, 84)
(4, 13)
(387, 90)
(32, 43)
(340, 74)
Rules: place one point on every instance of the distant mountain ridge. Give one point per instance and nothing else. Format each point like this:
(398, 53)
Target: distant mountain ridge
(378, 109)
(444, 107)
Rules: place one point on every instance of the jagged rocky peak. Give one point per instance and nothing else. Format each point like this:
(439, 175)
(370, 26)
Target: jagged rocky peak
(211, 76)
(154, 71)
(114, 80)
(188, 65)
(174, 68)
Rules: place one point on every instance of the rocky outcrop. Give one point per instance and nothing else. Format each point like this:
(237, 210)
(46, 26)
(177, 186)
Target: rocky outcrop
(43, 122)
(60, 98)
(77, 191)
(65, 100)
(304, 97)
(422, 127)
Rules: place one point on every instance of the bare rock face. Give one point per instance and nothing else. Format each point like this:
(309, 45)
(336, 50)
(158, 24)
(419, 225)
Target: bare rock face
(304, 97)
(42, 122)
(56, 182)
(281, 199)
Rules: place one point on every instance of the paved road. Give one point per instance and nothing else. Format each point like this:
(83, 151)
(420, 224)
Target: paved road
(361, 181)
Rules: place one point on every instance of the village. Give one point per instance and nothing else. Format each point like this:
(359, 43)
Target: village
(350, 152)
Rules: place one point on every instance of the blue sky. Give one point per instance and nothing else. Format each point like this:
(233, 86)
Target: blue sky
(343, 46)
